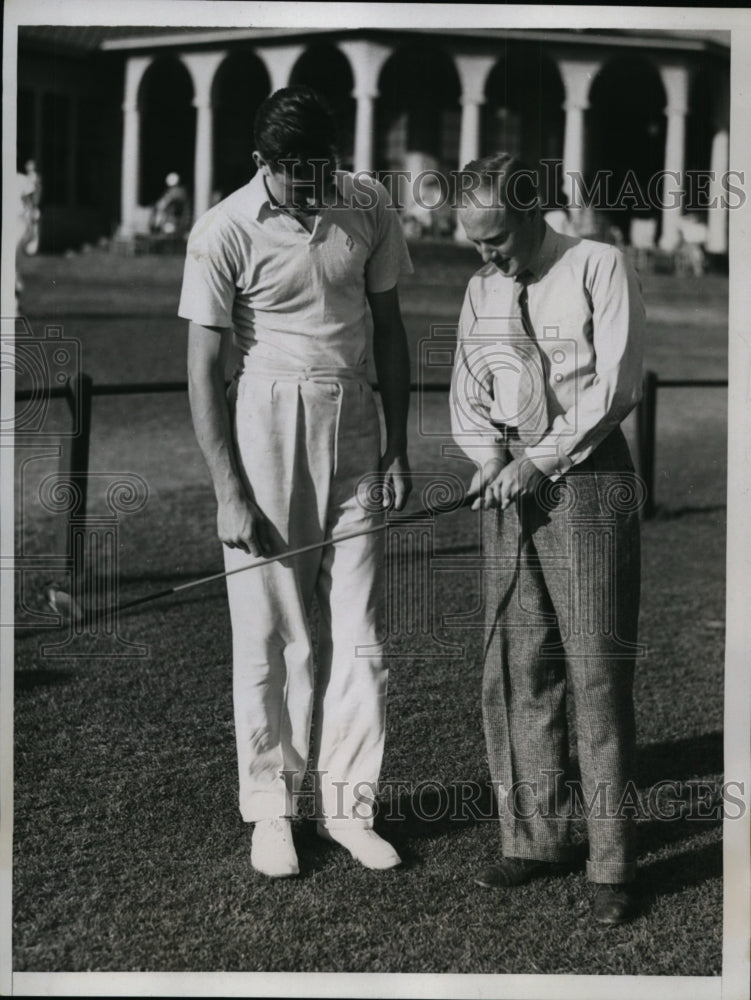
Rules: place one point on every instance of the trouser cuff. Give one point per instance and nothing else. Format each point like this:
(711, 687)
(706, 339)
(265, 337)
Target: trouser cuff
(611, 871)
(537, 850)
(352, 822)
(266, 806)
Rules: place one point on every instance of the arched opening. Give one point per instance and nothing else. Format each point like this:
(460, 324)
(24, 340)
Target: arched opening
(168, 127)
(418, 119)
(327, 70)
(240, 86)
(626, 139)
(523, 112)
(418, 112)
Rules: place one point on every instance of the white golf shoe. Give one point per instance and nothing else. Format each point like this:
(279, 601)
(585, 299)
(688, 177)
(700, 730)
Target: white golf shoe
(364, 845)
(272, 850)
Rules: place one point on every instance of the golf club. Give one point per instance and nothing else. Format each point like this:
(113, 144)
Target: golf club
(63, 604)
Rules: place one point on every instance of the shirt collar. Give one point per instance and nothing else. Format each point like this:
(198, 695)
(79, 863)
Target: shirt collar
(261, 202)
(258, 196)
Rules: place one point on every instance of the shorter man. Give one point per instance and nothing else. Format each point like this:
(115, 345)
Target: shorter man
(548, 365)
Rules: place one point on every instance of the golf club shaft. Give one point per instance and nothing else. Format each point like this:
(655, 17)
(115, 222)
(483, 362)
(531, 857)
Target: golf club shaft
(290, 554)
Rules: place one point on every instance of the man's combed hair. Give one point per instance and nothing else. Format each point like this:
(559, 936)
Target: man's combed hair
(507, 177)
(296, 124)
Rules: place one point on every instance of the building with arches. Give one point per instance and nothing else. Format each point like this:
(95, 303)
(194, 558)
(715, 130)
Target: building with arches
(109, 112)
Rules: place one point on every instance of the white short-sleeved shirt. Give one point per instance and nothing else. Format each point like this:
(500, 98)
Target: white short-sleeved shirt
(294, 298)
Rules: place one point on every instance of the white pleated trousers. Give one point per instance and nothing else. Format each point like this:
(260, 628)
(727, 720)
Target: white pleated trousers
(304, 443)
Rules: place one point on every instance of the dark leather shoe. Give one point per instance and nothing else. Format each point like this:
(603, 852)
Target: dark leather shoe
(513, 871)
(614, 903)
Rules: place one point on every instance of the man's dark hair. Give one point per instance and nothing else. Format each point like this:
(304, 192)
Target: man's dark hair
(295, 123)
(507, 178)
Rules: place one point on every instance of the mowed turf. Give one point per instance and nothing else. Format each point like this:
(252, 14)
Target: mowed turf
(129, 852)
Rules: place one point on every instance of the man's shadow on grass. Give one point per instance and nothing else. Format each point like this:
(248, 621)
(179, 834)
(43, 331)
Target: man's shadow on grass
(692, 805)
(28, 680)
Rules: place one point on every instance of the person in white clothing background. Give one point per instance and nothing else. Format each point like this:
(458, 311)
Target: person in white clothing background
(293, 268)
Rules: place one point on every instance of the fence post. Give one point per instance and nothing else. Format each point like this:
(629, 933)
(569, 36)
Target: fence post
(76, 454)
(646, 427)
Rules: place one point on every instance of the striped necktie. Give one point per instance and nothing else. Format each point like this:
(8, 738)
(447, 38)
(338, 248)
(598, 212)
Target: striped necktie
(532, 408)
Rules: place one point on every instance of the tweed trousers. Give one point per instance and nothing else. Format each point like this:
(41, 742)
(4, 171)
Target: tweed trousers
(562, 603)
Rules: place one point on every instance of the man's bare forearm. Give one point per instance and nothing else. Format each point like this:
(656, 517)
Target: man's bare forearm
(211, 419)
(391, 357)
(240, 524)
(212, 428)
(392, 370)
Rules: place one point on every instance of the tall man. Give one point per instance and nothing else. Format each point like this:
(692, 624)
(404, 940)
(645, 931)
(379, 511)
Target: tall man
(290, 267)
(548, 364)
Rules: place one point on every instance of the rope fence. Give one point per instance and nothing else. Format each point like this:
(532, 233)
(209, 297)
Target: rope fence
(80, 390)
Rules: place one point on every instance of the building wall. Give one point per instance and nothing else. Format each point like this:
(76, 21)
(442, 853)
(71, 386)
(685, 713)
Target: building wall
(404, 100)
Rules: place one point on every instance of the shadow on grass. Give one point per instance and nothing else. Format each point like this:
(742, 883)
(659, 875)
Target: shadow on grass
(23, 631)
(690, 868)
(28, 680)
(676, 513)
(680, 759)
(428, 811)
(431, 811)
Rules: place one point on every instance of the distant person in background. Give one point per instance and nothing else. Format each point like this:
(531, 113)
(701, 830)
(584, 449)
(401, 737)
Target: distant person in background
(171, 214)
(431, 214)
(27, 216)
(690, 253)
(32, 197)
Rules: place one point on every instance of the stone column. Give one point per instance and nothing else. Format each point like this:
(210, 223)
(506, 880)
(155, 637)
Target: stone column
(577, 79)
(364, 152)
(675, 81)
(469, 135)
(473, 74)
(131, 151)
(573, 147)
(203, 169)
(202, 67)
(717, 213)
(366, 60)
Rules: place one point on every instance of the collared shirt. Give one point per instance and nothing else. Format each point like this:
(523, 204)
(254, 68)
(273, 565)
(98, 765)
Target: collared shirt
(588, 320)
(294, 298)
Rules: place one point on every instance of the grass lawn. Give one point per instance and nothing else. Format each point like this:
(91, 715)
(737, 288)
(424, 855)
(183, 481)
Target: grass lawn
(129, 851)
